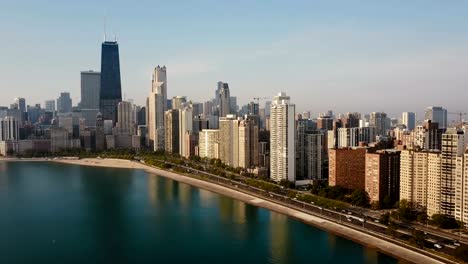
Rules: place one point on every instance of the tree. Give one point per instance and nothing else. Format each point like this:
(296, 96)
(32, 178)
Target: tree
(461, 253)
(418, 239)
(360, 198)
(422, 218)
(405, 211)
(443, 221)
(392, 229)
(387, 202)
(385, 218)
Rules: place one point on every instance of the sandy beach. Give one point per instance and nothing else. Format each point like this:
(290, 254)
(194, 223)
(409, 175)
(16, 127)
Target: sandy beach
(352, 234)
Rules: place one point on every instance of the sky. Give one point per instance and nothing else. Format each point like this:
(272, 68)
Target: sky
(347, 56)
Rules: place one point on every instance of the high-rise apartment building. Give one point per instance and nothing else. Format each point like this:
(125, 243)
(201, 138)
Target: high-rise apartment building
(64, 103)
(248, 142)
(409, 120)
(461, 188)
(282, 139)
(126, 123)
(110, 93)
(415, 177)
(453, 146)
(229, 140)
(156, 108)
(309, 156)
(383, 176)
(438, 115)
(185, 130)
(434, 175)
(172, 131)
(346, 168)
(208, 146)
(90, 89)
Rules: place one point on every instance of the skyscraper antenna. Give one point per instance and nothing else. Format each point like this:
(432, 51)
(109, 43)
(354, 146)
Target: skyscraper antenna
(105, 26)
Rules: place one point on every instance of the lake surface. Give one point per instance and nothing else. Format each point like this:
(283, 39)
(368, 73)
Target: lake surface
(57, 213)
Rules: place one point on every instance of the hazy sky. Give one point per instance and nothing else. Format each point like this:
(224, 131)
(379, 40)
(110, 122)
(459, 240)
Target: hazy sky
(343, 55)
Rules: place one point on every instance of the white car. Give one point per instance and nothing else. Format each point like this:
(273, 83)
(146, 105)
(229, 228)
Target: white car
(437, 246)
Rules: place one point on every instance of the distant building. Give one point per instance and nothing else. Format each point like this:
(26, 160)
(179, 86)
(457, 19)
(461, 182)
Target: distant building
(224, 100)
(438, 115)
(309, 156)
(50, 106)
(178, 102)
(380, 121)
(90, 89)
(185, 125)
(64, 103)
(409, 120)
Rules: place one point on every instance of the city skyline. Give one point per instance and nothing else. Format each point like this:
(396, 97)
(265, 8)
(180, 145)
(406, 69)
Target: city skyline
(414, 61)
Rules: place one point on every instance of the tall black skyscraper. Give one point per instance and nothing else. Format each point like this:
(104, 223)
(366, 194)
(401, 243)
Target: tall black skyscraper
(111, 90)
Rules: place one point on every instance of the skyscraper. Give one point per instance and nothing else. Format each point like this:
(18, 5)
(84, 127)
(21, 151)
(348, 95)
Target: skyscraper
(452, 147)
(438, 115)
(125, 124)
(90, 89)
(380, 121)
(9, 129)
(185, 125)
(409, 120)
(229, 140)
(157, 106)
(64, 103)
(21, 103)
(111, 91)
(248, 142)
(224, 101)
(282, 139)
(50, 105)
(383, 176)
(178, 102)
(172, 131)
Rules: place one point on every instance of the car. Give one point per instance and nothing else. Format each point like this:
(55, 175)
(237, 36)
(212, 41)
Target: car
(349, 219)
(437, 246)
(350, 213)
(377, 221)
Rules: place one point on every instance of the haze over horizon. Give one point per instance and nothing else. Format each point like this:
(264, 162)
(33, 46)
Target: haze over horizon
(341, 55)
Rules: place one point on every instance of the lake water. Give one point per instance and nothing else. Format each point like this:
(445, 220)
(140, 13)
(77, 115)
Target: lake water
(57, 213)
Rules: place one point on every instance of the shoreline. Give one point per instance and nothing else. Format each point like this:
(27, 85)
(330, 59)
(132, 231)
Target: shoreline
(389, 248)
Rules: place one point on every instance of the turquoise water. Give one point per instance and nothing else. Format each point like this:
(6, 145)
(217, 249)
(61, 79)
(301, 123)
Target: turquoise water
(56, 213)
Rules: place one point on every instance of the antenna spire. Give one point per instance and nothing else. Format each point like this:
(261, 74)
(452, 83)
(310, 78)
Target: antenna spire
(105, 26)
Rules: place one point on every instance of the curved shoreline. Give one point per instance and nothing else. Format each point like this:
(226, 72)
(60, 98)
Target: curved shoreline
(357, 236)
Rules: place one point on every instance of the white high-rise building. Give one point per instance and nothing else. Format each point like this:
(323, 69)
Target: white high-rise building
(9, 129)
(229, 140)
(409, 120)
(434, 173)
(157, 105)
(208, 146)
(453, 146)
(282, 139)
(126, 123)
(461, 189)
(185, 125)
(438, 115)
